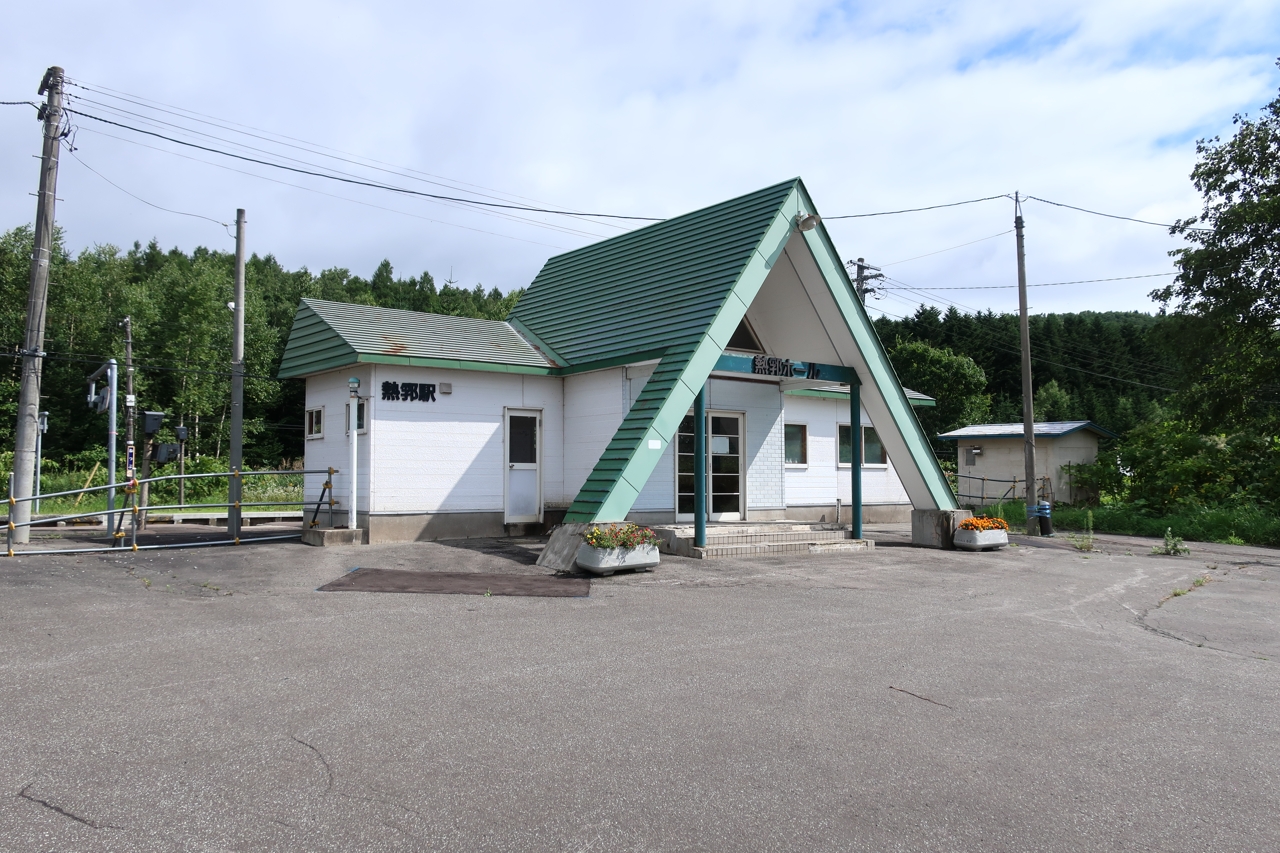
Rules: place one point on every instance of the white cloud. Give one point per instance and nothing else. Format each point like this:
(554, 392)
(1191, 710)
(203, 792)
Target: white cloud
(655, 109)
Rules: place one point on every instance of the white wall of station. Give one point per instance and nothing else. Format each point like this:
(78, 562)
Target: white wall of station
(446, 455)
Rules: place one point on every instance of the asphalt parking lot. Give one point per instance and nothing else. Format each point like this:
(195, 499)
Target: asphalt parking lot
(1034, 699)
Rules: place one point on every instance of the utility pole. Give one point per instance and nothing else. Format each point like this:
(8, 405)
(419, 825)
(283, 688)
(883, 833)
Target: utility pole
(24, 451)
(130, 401)
(1028, 404)
(860, 278)
(236, 487)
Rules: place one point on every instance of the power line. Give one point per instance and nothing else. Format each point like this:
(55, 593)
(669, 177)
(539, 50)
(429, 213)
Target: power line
(309, 147)
(1064, 366)
(322, 192)
(190, 132)
(1044, 284)
(917, 209)
(140, 198)
(1112, 215)
(951, 248)
(357, 181)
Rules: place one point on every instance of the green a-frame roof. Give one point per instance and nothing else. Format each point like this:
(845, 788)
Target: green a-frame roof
(676, 291)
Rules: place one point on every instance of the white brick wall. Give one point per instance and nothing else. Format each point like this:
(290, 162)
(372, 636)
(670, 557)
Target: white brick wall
(822, 481)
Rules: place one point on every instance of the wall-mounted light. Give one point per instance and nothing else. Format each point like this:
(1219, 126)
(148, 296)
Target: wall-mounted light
(353, 384)
(807, 221)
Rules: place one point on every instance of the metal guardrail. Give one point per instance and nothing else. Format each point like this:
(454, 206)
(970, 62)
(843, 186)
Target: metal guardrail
(132, 490)
(1044, 490)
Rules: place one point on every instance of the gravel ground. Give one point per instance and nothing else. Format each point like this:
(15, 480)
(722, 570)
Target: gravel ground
(1038, 698)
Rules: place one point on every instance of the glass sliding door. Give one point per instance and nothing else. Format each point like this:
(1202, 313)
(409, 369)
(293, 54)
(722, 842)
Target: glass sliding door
(726, 500)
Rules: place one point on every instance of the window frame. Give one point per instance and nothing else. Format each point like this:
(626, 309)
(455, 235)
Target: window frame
(309, 435)
(346, 420)
(804, 445)
(865, 463)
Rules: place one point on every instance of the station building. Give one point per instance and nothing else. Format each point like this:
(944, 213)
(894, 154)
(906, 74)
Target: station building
(581, 405)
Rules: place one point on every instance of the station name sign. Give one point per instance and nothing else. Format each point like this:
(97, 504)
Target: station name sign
(785, 368)
(422, 392)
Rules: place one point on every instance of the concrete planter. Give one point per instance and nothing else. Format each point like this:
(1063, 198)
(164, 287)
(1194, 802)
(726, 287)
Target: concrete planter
(980, 540)
(606, 561)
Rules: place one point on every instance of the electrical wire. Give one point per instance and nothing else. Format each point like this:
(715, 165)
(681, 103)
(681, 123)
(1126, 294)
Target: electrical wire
(916, 209)
(1044, 284)
(949, 249)
(187, 131)
(305, 145)
(140, 198)
(355, 181)
(322, 192)
(1111, 215)
(1059, 364)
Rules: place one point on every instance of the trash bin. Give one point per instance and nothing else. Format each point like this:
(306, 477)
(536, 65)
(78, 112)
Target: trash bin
(1046, 518)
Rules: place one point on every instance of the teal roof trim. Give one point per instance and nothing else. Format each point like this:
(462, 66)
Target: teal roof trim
(327, 335)
(621, 472)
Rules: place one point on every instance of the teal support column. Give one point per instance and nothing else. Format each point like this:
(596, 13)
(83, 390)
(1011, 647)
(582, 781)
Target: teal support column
(855, 467)
(700, 468)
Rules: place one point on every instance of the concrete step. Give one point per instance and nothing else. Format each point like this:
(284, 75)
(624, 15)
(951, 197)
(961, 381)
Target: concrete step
(761, 549)
(736, 540)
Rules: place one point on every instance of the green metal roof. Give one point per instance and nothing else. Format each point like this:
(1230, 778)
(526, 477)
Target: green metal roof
(643, 292)
(326, 335)
(680, 288)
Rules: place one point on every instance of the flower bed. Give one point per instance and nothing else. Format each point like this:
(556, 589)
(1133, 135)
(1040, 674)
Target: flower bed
(981, 534)
(604, 550)
(983, 522)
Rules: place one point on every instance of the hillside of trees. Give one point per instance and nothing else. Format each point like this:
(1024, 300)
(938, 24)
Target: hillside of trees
(182, 339)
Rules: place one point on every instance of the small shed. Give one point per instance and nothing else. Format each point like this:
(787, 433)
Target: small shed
(991, 468)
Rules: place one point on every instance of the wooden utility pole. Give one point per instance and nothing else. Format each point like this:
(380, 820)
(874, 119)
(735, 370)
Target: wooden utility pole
(24, 452)
(130, 401)
(861, 279)
(235, 489)
(1028, 405)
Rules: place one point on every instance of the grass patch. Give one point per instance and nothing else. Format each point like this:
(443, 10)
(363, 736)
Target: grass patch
(1248, 525)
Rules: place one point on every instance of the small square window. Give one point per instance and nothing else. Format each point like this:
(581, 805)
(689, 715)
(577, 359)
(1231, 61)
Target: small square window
(315, 423)
(797, 444)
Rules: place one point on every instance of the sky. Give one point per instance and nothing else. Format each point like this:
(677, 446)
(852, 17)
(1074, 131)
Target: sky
(650, 109)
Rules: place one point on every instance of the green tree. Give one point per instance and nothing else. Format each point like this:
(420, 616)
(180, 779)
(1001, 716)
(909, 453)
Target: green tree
(1054, 403)
(1227, 292)
(955, 381)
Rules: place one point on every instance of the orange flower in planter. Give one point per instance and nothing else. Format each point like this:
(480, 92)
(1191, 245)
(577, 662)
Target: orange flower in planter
(984, 523)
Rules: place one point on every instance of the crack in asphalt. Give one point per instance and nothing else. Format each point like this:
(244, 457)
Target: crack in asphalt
(925, 698)
(327, 769)
(60, 810)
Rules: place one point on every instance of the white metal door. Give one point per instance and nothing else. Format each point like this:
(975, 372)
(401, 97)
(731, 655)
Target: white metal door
(521, 452)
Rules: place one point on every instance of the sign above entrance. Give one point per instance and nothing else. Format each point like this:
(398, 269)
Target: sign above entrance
(785, 368)
(423, 392)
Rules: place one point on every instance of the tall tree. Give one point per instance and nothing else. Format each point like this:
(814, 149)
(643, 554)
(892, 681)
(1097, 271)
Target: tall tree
(1227, 292)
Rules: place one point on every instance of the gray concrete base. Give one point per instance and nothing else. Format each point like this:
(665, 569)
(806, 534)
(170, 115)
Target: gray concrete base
(871, 513)
(562, 548)
(328, 537)
(936, 528)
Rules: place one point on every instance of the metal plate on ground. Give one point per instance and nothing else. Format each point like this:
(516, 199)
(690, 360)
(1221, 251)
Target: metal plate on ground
(458, 583)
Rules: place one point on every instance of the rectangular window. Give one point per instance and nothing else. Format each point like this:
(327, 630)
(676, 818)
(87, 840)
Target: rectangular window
(797, 444)
(315, 423)
(361, 427)
(872, 450)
